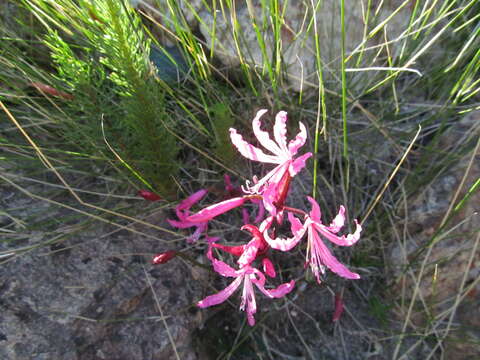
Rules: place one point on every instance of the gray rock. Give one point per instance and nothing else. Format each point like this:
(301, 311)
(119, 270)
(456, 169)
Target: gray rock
(87, 296)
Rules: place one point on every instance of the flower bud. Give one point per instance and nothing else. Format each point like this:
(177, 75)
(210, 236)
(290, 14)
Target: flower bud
(338, 308)
(148, 195)
(162, 258)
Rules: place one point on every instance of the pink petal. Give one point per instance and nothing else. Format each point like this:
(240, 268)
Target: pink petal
(343, 240)
(268, 267)
(248, 300)
(222, 295)
(249, 151)
(272, 174)
(234, 250)
(265, 224)
(280, 131)
(192, 199)
(315, 213)
(282, 289)
(221, 267)
(245, 216)
(198, 232)
(216, 209)
(329, 260)
(299, 140)
(263, 136)
(181, 224)
(250, 318)
(298, 164)
(211, 239)
(298, 230)
(271, 190)
(277, 292)
(337, 223)
(250, 252)
(260, 212)
(270, 198)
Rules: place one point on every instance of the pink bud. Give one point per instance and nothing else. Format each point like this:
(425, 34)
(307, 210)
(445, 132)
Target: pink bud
(234, 250)
(148, 195)
(338, 307)
(268, 267)
(47, 89)
(162, 258)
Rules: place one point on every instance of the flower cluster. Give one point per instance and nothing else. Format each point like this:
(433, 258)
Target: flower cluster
(269, 193)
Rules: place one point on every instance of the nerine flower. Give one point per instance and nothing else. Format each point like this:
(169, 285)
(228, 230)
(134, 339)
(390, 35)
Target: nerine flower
(183, 211)
(283, 155)
(318, 255)
(249, 276)
(201, 218)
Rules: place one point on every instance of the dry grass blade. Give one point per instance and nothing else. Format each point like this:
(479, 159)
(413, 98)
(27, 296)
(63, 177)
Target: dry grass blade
(160, 310)
(390, 178)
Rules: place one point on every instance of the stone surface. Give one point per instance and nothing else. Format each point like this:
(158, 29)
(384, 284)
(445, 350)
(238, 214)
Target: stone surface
(298, 45)
(81, 292)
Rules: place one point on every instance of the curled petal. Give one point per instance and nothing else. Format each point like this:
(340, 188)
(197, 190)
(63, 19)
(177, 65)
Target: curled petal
(282, 289)
(266, 224)
(221, 296)
(280, 131)
(252, 229)
(330, 261)
(192, 199)
(299, 140)
(315, 214)
(298, 164)
(268, 267)
(337, 223)
(249, 151)
(298, 230)
(263, 136)
(277, 292)
(216, 209)
(344, 240)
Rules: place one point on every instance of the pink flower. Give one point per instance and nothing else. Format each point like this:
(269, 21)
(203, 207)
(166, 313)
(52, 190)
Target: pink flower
(183, 211)
(283, 154)
(318, 255)
(249, 276)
